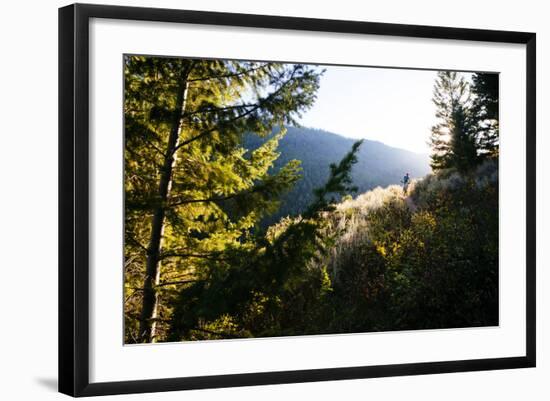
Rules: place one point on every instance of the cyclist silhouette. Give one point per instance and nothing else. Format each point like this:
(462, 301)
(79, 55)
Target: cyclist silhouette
(406, 180)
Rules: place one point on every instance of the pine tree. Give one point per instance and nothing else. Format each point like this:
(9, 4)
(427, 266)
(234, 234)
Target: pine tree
(485, 88)
(191, 189)
(338, 183)
(453, 138)
(270, 289)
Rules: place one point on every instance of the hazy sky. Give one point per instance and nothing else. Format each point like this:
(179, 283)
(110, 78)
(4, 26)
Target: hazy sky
(388, 105)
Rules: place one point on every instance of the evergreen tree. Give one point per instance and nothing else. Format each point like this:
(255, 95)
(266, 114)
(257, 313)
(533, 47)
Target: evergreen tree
(485, 88)
(453, 138)
(271, 289)
(191, 189)
(338, 183)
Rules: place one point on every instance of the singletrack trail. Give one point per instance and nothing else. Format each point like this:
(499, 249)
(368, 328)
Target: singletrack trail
(410, 204)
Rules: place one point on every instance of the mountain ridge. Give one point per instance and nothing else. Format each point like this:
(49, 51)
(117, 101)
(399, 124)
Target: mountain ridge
(378, 164)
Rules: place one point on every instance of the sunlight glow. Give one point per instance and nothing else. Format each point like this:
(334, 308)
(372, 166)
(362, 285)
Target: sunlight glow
(392, 106)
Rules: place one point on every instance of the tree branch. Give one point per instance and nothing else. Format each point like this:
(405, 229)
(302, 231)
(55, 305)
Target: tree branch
(209, 131)
(229, 75)
(218, 109)
(218, 199)
(191, 255)
(166, 283)
(136, 242)
(260, 103)
(223, 335)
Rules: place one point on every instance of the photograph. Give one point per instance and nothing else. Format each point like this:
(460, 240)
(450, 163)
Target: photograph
(276, 198)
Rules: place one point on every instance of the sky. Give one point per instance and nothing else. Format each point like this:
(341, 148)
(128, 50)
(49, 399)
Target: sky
(392, 106)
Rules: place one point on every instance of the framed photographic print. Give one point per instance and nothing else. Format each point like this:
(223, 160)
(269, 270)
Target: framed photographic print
(249, 199)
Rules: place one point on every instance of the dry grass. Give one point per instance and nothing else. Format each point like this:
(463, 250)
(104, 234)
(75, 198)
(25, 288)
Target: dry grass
(350, 222)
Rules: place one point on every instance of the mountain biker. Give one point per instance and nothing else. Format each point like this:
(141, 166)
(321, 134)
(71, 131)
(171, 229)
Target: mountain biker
(406, 181)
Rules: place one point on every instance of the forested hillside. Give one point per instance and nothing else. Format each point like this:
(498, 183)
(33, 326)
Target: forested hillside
(377, 164)
(380, 262)
(205, 167)
(426, 260)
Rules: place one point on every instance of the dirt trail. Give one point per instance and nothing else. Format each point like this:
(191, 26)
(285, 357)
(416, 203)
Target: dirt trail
(410, 204)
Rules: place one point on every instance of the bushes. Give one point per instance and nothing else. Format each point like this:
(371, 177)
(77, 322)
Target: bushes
(434, 267)
(378, 262)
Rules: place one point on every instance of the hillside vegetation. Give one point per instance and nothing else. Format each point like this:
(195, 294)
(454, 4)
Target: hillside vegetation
(234, 230)
(382, 261)
(377, 165)
(424, 261)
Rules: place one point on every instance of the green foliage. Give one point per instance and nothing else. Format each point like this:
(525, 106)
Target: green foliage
(187, 170)
(467, 128)
(430, 265)
(485, 108)
(339, 182)
(377, 165)
(202, 156)
(453, 137)
(374, 263)
(276, 288)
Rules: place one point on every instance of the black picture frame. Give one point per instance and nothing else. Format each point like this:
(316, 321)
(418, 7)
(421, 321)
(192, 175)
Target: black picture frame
(74, 198)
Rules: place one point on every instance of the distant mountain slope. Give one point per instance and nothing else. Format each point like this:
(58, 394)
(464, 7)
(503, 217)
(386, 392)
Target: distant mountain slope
(378, 164)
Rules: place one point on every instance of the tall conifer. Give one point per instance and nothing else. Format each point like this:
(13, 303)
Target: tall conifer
(453, 138)
(191, 189)
(485, 88)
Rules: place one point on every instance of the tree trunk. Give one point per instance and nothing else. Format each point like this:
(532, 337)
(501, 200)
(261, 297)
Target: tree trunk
(152, 274)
